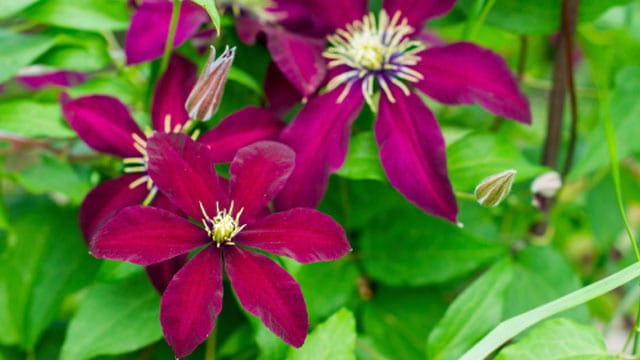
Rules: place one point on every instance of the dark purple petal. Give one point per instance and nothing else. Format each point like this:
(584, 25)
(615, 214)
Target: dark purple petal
(298, 57)
(418, 11)
(171, 93)
(160, 274)
(147, 34)
(56, 78)
(303, 234)
(258, 172)
(281, 95)
(184, 171)
(106, 199)
(412, 152)
(319, 135)
(192, 302)
(268, 292)
(103, 122)
(240, 129)
(336, 14)
(145, 235)
(464, 73)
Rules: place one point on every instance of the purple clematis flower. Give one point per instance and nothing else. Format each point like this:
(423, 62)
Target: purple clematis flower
(232, 220)
(388, 54)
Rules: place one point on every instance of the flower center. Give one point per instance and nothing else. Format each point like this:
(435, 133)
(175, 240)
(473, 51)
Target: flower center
(374, 52)
(222, 227)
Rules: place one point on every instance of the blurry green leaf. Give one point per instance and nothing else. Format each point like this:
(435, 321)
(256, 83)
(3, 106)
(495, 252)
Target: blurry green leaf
(479, 155)
(334, 339)
(114, 270)
(559, 339)
(77, 50)
(540, 275)
(53, 175)
(476, 311)
(241, 77)
(19, 50)
(537, 17)
(362, 161)
(106, 85)
(602, 210)
(45, 261)
(625, 111)
(411, 248)
(93, 15)
(271, 346)
(32, 119)
(398, 320)
(8, 8)
(114, 318)
(339, 279)
(211, 8)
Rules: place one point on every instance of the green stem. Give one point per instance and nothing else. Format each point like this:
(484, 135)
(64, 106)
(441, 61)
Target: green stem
(512, 327)
(210, 346)
(465, 196)
(175, 14)
(481, 10)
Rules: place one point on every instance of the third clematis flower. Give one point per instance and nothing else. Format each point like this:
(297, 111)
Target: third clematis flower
(386, 54)
(229, 220)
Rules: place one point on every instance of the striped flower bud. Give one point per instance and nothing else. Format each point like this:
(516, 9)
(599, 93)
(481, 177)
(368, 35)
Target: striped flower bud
(493, 189)
(205, 97)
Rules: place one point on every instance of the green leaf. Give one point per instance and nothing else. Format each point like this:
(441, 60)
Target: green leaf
(362, 161)
(19, 50)
(9, 8)
(558, 339)
(479, 155)
(540, 275)
(476, 311)
(92, 15)
(45, 261)
(32, 119)
(244, 78)
(211, 8)
(338, 279)
(538, 17)
(53, 175)
(397, 320)
(411, 248)
(77, 50)
(334, 339)
(114, 318)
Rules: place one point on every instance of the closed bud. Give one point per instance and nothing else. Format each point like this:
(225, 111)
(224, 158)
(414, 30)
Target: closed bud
(493, 189)
(547, 184)
(204, 99)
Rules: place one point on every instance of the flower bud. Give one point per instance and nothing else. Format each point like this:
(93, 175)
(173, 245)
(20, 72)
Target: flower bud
(547, 184)
(493, 189)
(205, 97)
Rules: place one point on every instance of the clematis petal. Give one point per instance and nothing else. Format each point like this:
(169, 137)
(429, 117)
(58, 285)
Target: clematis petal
(149, 28)
(305, 235)
(267, 291)
(184, 171)
(418, 12)
(160, 274)
(319, 135)
(106, 131)
(145, 235)
(248, 29)
(171, 93)
(240, 129)
(464, 73)
(281, 95)
(43, 78)
(105, 200)
(258, 172)
(192, 302)
(335, 14)
(298, 57)
(412, 152)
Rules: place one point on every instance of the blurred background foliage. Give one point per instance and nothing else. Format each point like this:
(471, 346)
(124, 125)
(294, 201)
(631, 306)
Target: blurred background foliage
(415, 287)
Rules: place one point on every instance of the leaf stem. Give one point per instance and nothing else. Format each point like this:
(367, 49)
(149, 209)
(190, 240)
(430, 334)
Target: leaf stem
(175, 15)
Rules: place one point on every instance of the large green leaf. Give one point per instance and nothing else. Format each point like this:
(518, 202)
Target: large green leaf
(95, 15)
(471, 315)
(211, 8)
(9, 8)
(114, 318)
(334, 339)
(19, 50)
(397, 320)
(411, 248)
(362, 161)
(32, 119)
(558, 339)
(77, 50)
(479, 155)
(45, 261)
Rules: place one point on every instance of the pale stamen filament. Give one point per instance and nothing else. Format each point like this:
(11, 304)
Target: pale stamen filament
(222, 227)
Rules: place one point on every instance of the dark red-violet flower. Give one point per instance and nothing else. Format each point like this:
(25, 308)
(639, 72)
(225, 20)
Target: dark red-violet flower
(231, 220)
(388, 54)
